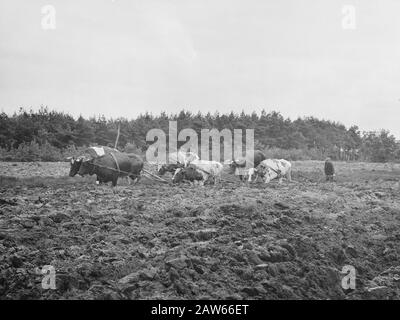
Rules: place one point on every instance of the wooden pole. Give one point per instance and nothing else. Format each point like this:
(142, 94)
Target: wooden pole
(116, 140)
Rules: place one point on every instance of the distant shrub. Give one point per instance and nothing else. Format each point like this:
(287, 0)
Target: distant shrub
(33, 151)
(293, 154)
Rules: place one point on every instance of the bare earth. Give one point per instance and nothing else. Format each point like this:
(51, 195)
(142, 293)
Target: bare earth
(232, 241)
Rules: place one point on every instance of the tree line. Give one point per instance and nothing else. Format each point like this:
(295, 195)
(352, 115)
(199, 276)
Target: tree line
(306, 137)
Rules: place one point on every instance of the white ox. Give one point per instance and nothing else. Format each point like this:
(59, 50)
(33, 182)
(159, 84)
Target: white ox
(207, 169)
(270, 169)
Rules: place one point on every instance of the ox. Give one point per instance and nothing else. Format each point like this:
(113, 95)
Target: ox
(238, 166)
(91, 152)
(111, 166)
(270, 169)
(189, 173)
(208, 169)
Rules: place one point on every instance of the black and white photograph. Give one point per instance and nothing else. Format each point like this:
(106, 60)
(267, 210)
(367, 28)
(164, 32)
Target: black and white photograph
(196, 150)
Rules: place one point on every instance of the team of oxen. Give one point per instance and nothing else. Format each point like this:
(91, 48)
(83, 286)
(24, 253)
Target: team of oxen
(109, 164)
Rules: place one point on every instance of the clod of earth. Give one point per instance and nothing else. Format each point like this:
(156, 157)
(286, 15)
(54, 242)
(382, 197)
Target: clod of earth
(231, 241)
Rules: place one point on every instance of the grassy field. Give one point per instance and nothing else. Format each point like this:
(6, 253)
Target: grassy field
(231, 241)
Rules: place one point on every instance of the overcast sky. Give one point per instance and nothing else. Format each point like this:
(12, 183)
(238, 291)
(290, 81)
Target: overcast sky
(125, 57)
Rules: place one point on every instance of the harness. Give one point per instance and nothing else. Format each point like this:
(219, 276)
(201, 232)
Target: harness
(278, 171)
(105, 167)
(112, 169)
(116, 162)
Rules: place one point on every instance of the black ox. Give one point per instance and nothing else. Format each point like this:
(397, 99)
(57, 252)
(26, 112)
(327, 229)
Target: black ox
(169, 168)
(111, 166)
(189, 173)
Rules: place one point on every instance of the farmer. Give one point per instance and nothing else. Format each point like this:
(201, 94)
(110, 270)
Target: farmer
(329, 169)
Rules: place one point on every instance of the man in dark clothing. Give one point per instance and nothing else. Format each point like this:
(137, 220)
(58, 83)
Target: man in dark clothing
(329, 169)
